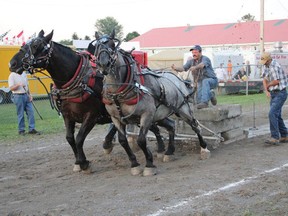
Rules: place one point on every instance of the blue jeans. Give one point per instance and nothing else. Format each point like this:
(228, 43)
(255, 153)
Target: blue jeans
(203, 89)
(24, 105)
(277, 125)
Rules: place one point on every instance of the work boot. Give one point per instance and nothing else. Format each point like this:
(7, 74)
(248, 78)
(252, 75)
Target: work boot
(272, 141)
(35, 132)
(202, 105)
(213, 98)
(283, 140)
(21, 133)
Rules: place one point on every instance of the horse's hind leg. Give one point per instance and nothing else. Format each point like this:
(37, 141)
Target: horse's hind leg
(160, 142)
(107, 144)
(205, 153)
(169, 124)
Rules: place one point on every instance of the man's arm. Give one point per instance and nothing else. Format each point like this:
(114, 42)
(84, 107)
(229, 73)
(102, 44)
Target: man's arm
(177, 69)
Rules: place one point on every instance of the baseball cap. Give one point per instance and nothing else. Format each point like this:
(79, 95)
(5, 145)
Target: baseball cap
(265, 57)
(196, 47)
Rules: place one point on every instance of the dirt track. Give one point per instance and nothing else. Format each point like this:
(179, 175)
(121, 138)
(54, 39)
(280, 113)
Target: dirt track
(242, 178)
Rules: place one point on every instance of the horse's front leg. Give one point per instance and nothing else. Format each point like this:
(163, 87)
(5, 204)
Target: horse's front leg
(70, 130)
(107, 144)
(150, 169)
(135, 166)
(84, 130)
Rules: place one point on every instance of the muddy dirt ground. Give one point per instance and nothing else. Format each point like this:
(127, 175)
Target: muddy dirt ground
(245, 177)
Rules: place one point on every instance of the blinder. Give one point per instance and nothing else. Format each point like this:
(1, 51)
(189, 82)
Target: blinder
(30, 61)
(102, 46)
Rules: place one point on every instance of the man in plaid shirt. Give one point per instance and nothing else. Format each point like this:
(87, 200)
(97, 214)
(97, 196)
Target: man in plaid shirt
(274, 83)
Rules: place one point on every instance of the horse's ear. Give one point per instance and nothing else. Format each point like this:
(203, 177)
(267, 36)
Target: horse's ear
(97, 36)
(113, 34)
(48, 38)
(41, 34)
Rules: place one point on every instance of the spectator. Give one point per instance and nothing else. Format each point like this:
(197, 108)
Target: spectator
(221, 75)
(240, 75)
(274, 83)
(18, 84)
(204, 76)
(229, 69)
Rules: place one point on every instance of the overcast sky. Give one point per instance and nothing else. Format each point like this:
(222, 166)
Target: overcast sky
(68, 16)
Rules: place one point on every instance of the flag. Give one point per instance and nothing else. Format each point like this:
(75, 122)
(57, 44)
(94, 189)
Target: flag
(32, 36)
(20, 34)
(4, 34)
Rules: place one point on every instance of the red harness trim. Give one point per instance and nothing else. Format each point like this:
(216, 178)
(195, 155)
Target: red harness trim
(75, 75)
(133, 100)
(90, 81)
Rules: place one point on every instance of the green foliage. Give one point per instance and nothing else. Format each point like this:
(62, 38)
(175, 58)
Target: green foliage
(87, 37)
(131, 35)
(248, 18)
(75, 36)
(106, 26)
(66, 42)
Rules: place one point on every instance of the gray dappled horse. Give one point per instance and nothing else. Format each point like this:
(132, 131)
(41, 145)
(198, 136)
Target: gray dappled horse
(157, 95)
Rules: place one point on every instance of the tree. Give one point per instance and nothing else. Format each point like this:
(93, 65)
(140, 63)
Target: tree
(75, 36)
(87, 37)
(66, 42)
(248, 18)
(106, 26)
(131, 35)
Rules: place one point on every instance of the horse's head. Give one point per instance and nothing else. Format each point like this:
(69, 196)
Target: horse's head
(106, 51)
(34, 54)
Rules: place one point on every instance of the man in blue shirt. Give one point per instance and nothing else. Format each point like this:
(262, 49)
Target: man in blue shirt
(274, 83)
(205, 79)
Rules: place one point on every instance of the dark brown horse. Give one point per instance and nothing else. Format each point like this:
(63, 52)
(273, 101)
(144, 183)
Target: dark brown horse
(77, 90)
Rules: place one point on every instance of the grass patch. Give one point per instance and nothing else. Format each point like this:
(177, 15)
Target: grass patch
(243, 100)
(51, 122)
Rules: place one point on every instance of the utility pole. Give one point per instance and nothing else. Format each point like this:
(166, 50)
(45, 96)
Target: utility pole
(261, 27)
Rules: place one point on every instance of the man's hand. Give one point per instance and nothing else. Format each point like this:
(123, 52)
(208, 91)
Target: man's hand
(268, 95)
(173, 67)
(193, 69)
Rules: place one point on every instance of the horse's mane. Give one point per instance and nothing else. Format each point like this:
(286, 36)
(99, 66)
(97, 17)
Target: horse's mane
(65, 50)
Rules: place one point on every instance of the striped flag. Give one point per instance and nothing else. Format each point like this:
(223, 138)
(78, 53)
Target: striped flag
(4, 34)
(20, 34)
(32, 36)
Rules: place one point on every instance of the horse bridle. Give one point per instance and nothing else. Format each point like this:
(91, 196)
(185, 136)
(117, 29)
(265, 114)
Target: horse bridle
(101, 46)
(29, 60)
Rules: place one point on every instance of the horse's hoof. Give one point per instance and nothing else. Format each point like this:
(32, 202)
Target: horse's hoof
(149, 171)
(204, 154)
(108, 151)
(160, 155)
(168, 158)
(76, 168)
(136, 171)
(89, 169)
